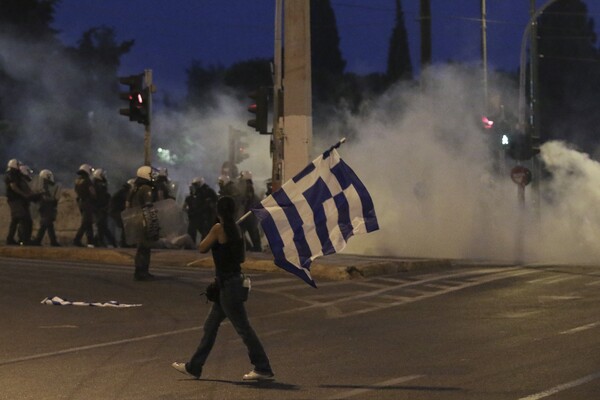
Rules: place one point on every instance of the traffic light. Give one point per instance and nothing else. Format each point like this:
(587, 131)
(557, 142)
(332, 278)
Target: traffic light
(240, 151)
(238, 147)
(138, 97)
(521, 147)
(260, 109)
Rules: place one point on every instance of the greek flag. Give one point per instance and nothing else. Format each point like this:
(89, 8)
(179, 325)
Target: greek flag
(315, 213)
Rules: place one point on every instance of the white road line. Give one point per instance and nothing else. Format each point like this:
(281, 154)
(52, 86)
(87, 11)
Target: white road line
(97, 346)
(562, 387)
(580, 328)
(551, 279)
(375, 386)
(269, 281)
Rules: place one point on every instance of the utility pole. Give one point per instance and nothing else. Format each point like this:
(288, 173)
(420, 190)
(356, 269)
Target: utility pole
(425, 17)
(297, 90)
(484, 57)
(277, 139)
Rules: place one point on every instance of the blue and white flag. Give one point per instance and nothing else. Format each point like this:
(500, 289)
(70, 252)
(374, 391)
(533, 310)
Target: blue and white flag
(315, 213)
(59, 301)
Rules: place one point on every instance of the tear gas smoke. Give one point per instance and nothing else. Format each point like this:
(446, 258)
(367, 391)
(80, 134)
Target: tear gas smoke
(420, 152)
(198, 142)
(423, 157)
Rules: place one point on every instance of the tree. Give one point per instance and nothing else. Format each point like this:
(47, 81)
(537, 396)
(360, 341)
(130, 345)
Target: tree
(398, 63)
(99, 54)
(27, 19)
(569, 74)
(327, 63)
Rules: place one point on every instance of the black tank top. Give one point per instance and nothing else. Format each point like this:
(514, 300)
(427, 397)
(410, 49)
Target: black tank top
(228, 258)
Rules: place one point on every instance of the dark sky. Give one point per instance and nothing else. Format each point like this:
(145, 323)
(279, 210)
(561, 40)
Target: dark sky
(170, 34)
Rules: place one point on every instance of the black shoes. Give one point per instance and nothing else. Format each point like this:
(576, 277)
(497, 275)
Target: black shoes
(143, 276)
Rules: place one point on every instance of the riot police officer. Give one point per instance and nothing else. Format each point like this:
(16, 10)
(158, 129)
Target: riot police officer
(249, 200)
(86, 197)
(201, 206)
(48, 208)
(104, 235)
(19, 196)
(143, 195)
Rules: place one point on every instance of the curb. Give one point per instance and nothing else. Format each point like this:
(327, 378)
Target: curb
(338, 267)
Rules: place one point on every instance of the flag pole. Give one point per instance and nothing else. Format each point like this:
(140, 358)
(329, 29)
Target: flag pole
(243, 217)
(335, 146)
(338, 144)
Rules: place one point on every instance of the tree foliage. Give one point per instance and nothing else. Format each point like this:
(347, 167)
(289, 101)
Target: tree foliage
(49, 90)
(398, 63)
(30, 19)
(327, 63)
(569, 74)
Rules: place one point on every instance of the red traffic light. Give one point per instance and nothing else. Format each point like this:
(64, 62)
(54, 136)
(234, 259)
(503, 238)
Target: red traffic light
(487, 123)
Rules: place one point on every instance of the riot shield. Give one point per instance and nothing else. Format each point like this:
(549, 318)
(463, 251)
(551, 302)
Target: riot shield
(162, 219)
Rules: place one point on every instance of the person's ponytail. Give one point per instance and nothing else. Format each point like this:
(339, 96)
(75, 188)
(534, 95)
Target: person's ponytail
(226, 210)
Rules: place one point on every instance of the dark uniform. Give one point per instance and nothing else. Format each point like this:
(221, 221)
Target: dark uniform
(201, 205)
(48, 211)
(142, 195)
(104, 235)
(248, 200)
(116, 206)
(162, 187)
(18, 196)
(86, 197)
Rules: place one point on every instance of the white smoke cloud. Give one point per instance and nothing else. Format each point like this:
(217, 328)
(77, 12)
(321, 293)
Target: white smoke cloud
(198, 141)
(420, 152)
(428, 166)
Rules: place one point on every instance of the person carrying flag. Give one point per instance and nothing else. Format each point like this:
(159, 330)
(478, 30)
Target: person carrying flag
(227, 246)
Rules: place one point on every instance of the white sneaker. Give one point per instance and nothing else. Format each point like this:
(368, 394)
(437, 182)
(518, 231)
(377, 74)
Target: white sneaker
(181, 368)
(258, 376)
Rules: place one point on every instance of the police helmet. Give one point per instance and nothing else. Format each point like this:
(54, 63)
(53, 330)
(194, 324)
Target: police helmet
(87, 168)
(25, 171)
(224, 179)
(245, 176)
(14, 164)
(145, 172)
(198, 181)
(46, 174)
(99, 173)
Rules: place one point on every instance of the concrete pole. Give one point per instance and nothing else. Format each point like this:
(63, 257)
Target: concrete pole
(484, 57)
(277, 139)
(297, 79)
(425, 18)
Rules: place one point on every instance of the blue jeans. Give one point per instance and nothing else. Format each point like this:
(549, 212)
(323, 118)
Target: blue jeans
(230, 306)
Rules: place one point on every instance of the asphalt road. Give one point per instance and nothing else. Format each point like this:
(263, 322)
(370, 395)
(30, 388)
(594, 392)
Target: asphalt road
(469, 332)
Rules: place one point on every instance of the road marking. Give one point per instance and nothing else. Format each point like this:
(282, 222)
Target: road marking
(420, 295)
(58, 326)
(580, 328)
(374, 387)
(97, 346)
(269, 281)
(562, 387)
(552, 279)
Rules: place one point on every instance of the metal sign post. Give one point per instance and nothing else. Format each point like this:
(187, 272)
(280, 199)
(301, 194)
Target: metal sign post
(522, 177)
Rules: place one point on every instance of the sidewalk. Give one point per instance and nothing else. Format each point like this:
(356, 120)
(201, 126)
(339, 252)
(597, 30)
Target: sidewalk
(333, 267)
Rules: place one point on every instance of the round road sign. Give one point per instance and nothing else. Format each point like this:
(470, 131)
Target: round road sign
(520, 175)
